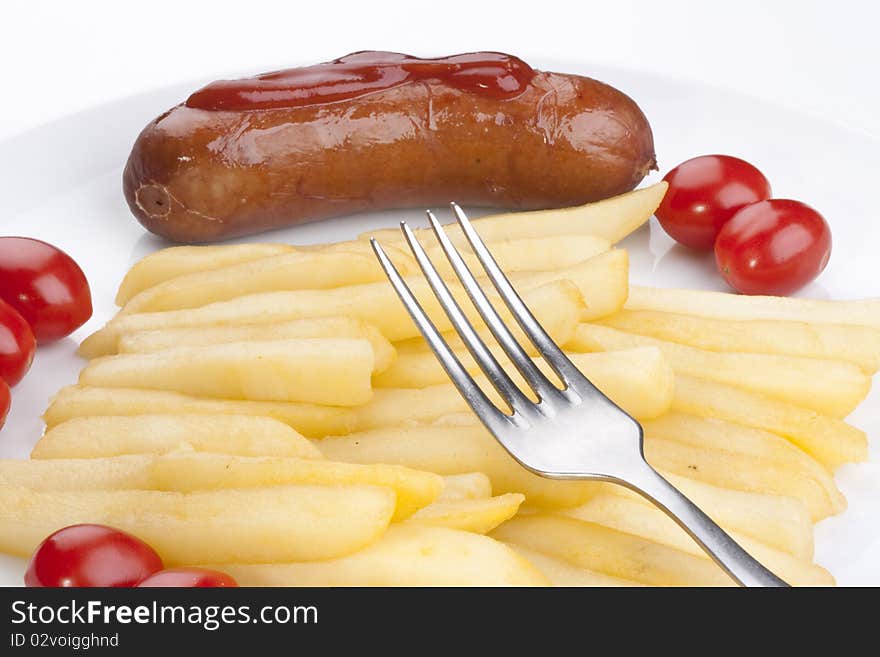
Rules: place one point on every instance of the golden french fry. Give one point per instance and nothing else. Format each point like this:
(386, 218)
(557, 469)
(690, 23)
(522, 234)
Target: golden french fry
(734, 456)
(421, 369)
(333, 371)
(563, 573)
(181, 260)
(832, 441)
(454, 449)
(466, 486)
(297, 270)
(638, 380)
(527, 254)
(476, 515)
(738, 472)
(610, 552)
(102, 436)
(604, 277)
(603, 280)
(257, 525)
(832, 387)
(406, 555)
(646, 521)
(311, 420)
(189, 472)
(132, 472)
(740, 307)
(780, 522)
(856, 344)
(557, 305)
(147, 342)
(612, 219)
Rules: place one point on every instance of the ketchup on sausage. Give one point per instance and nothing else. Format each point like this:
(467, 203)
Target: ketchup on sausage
(490, 74)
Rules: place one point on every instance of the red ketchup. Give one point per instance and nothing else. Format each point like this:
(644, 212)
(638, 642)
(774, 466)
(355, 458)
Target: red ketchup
(491, 74)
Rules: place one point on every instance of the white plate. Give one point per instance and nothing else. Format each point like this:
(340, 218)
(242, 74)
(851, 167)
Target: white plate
(62, 183)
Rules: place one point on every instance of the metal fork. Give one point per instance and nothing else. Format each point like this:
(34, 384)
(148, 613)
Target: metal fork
(570, 433)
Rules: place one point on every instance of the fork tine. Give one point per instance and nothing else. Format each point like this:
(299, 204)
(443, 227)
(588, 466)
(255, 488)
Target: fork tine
(491, 416)
(484, 358)
(551, 352)
(518, 356)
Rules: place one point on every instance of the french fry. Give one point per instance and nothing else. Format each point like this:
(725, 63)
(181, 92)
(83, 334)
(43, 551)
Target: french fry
(296, 270)
(311, 420)
(558, 305)
(856, 344)
(373, 303)
(131, 472)
(610, 552)
(638, 380)
(181, 260)
(103, 436)
(527, 254)
(831, 387)
(780, 522)
(738, 472)
(831, 441)
(563, 573)
(744, 458)
(192, 472)
(257, 525)
(406, 555)
(611, 219)
(454, 449)
(466, 486)
(189, 472)
(480, 515)
(418, 367)
(646, 521)
(738, 307)
(333, 371)
(147, 342)
(608, 370)
(603, 280)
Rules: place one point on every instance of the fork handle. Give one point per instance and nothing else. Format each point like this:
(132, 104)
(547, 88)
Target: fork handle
(726, 552)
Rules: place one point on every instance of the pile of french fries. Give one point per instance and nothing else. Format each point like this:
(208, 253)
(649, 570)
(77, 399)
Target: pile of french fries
(272, 411)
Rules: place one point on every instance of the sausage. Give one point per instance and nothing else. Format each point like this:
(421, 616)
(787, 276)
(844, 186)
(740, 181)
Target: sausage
(202, 175)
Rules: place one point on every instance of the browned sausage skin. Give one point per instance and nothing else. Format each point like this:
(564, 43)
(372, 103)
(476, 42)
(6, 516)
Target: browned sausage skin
(197, 175)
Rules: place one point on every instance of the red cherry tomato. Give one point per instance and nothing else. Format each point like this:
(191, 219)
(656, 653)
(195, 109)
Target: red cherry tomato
(189, 578)
(45, 285)
(17, 345)
(91, 555)
(704, 193)
(773, 247)
(5, 402)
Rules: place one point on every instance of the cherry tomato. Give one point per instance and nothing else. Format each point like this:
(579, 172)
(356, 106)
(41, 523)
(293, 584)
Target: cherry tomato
(189, 578)
(91, 555)
(773, 247)
(704, 193)
(17, 344)
(45, 285)
(5, 402)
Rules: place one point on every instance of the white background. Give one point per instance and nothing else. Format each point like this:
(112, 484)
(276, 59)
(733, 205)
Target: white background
(59, 57)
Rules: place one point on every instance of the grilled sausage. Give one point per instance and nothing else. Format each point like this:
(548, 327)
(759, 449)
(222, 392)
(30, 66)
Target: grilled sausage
(201, 175)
